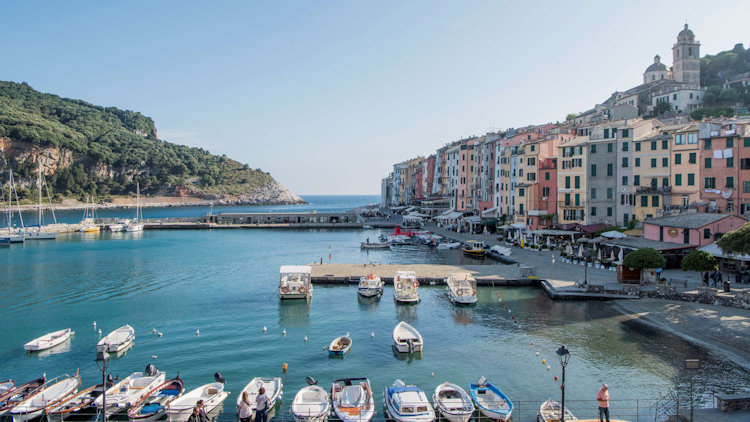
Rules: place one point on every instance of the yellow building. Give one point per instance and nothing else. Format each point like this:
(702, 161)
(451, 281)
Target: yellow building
(571, 180)
(685, 167)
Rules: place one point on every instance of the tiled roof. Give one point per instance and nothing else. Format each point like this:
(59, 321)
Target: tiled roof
(689, 221)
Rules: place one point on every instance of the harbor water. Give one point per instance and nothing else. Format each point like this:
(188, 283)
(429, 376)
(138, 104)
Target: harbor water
(224, 283)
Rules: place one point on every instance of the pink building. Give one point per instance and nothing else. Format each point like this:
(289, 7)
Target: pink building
(691, 229)
(466, 175)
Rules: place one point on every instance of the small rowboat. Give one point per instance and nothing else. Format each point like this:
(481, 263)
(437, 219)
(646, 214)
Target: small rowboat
(453, 402)
(274, 391)
(492, 402)
(130, 390)
(340, 345)
(352, 399)
(48, 341)
(74, 404)
(48, 396)
(9, 398)
(311, 404)
(154, 405)
(365, 245)
(406, 338)
(212, 394)
(549, 411)
(116, 340)
(6, 385)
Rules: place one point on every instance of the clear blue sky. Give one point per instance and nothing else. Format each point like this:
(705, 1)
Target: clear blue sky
(327, 95)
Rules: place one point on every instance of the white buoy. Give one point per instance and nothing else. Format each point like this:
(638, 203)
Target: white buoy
(100, 332)
(95, 325)
(347, 334)
(283, 333)
(372, 334)
(548, 367)
(153, 356)
(305, 339)
(433, 374)
(159, 334)
(265, 329)
(537, 353)
(153, 331)
(197, 333)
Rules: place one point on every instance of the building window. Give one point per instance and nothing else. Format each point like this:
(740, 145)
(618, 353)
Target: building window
(730, 182)
(653, 162)
(609, 147)
(707, 144)
(653, 182)
(545, 192)
(546, 175)
(746, 187)
(679, 139)
(609, 193)
(624, 161)
(693, 158)
(678, 180)
(625, 133)
(578, 182)
(521, 192)
(706, 233)
(624, 146)
(678, 158)
(707, 163)
(745, 163)
(593, 149)
(610, 169)
(664, 144)
(746, 142)
(665, 181)
(609, 211)
(606, 133)
(710, 183)
(593, 193)
(644, 201)
(691, 179)
(665, 162)
(730, 162)
(653, 145)
(636, 180)
(730, 142)
(593, 170)
(578, 199)
(655, 200)
(593, 211)
(625, 180)
(567, 199)
(692, 138)
(637, 161)
(567, 182)
(637, 146)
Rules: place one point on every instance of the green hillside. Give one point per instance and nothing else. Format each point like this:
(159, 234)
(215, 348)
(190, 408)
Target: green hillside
(89, 149)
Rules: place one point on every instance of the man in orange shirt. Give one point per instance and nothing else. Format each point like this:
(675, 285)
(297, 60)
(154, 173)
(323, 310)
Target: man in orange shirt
(602, 397)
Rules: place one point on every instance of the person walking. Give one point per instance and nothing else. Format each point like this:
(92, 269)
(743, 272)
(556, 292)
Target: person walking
(202, 412)
(261, 406)
(245, 410)
(602, 397)
(196, 416)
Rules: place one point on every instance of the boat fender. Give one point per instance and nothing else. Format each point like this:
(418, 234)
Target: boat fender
(285, 289)
(302, 289)
(219, 378)
(415, 284)
(400, 286)
(473, 292)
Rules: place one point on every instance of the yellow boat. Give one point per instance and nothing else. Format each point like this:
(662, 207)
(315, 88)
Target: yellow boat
(473, 248)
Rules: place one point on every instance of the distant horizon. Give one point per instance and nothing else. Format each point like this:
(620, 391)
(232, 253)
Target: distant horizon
(333, 94)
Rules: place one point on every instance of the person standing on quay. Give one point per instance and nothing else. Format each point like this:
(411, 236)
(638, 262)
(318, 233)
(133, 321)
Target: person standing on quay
(245, 409)
(602, 397)
(261, 406)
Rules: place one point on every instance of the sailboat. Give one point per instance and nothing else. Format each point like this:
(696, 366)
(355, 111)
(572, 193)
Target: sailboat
(88, 222)
(136, 225)
(9, 237)
(38, 234)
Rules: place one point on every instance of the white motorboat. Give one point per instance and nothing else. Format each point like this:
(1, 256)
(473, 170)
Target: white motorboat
(74, 405)
(136, 225)
(449, 245)
(352, 399)
(406, 338)
(500, 250)
(406, 287)
(118, 226)
(212, 394)
(274, 390)
(370, 285)
(340, 345)
(453, 402)
(549, 411)
(462, 288)
(131, 389)
(48, 396)
(48, 341)
(116, 340)
(154, 405)
(311, 404)
(295, 282)
(490, 401)
(407, 403)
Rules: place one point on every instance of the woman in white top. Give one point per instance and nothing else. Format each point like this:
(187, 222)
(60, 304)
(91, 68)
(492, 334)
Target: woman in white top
(245, 410)
(261, 406)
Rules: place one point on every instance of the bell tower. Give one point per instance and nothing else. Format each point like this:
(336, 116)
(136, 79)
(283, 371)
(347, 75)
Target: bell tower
(686, 58)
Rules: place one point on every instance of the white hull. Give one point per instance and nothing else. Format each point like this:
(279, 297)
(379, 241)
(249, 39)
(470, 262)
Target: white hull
(369, 292)
(39, 236)
(311, 404)
(128, 391)
(15, 238)
(353, 402)
(406, 338)
(274, 391)
(181, 409)
(453, 403)
(406, 299)
(393, 413)
(370, 286)
(136, 227)
(117, 340)
(48, 396)
(306, 295)
(494, 416)
(116, 227)
(48, 341)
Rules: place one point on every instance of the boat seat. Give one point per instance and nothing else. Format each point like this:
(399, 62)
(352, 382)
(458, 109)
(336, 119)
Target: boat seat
(351, 396)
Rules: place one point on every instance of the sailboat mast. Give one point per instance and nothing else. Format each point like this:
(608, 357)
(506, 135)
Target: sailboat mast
(39, 188)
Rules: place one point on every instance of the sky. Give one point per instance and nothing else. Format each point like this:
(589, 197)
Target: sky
(328, 95)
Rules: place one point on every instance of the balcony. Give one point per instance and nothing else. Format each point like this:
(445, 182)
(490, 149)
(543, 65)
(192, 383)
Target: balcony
(653, 189)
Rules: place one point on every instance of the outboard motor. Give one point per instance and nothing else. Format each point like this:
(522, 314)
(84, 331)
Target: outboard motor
(219, 378)
(150, 370)
(311, 381)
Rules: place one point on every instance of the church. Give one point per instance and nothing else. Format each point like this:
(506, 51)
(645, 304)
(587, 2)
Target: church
(678, 86)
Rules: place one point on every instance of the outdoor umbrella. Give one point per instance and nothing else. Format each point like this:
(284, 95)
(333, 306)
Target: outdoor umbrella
(548, 245)
(619, 256)
(612, 255)
(599, 255)
(570, 249)
(580, 251)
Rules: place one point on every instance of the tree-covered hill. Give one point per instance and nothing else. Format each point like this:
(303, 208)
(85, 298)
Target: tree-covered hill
(88, 149)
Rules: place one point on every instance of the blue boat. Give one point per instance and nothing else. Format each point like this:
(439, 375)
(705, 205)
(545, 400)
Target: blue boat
(490, 400)
(4, 241)
(340, 345)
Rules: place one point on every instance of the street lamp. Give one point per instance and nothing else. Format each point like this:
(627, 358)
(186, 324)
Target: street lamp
(102, 359)
(564, 356)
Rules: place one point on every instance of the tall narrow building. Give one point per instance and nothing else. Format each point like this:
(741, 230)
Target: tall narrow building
(686, 59)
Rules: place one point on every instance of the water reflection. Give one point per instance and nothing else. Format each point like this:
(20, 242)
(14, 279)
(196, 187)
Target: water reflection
(463, 315)
(408, 357)
(60, 348)
(368, 304)
(294, 313)
(123, 352)
(407, 312)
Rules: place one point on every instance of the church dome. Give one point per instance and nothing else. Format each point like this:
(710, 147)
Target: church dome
(657, 66)
(686, 35)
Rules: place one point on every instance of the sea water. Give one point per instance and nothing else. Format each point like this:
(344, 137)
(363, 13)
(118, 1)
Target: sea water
(225, 284)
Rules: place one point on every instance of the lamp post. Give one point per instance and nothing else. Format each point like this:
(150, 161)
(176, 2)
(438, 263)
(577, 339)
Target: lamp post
(564, 356)
(102, 359)
(691, 365)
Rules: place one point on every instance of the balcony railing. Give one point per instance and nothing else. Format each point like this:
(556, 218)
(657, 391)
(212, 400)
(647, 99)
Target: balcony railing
(653, 189)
